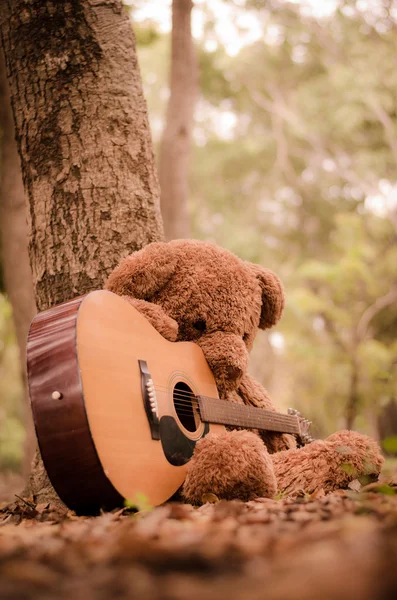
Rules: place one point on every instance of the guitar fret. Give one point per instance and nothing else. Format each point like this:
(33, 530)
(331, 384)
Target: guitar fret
(229, 413)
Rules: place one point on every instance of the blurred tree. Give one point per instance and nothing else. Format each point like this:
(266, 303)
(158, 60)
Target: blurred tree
(85, 147)
(337, 302)
(14, 245)
(295, 136)
(176, 139)
(295, 129)
(387, 423)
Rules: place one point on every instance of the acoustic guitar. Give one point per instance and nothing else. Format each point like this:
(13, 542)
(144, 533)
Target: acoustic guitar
(118, 409)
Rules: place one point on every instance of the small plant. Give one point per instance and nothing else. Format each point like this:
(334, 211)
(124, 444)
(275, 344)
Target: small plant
(280, 495)
(389, 444)
(139, 502)
(347, 468)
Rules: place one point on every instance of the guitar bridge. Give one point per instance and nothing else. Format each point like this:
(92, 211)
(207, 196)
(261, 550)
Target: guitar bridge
(149, 400)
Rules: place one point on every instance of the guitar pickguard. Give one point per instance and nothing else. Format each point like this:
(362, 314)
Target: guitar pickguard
(178, 449)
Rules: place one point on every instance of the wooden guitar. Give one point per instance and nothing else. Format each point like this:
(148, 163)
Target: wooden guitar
(118, 409)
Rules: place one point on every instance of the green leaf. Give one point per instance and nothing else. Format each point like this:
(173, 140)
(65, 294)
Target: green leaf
(139, 502)
(389, 444)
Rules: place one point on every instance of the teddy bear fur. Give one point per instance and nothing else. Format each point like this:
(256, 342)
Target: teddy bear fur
(196, 291)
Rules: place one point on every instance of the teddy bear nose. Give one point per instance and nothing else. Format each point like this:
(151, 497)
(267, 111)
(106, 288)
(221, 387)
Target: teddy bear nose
(233, 373)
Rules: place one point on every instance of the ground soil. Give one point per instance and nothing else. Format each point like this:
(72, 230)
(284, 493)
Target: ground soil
(342, 546)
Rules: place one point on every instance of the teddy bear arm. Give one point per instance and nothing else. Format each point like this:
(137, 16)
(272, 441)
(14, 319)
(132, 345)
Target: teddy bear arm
(164, 324)
(254, 394)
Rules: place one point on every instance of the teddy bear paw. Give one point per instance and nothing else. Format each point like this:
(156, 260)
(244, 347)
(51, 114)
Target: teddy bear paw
(232, 465)
(168, 328)
(164, 324)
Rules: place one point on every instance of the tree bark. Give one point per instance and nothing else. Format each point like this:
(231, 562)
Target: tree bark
(14, 246)
(84, 141)
(176, 141)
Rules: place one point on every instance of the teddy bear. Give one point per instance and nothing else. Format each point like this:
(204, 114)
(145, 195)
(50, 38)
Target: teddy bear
(196, 291)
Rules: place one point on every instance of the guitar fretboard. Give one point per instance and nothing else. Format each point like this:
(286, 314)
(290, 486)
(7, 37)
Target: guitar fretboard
(213, 410)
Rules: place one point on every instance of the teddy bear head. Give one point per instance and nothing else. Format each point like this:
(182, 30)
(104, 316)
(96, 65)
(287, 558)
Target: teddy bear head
(218, 300)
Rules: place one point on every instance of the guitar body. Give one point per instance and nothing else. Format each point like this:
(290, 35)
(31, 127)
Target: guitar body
(105, 432)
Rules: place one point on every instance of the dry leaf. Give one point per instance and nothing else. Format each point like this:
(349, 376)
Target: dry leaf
(209, 497)
(355, 485)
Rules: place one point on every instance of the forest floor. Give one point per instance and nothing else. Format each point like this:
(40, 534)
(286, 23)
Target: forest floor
(341, 546)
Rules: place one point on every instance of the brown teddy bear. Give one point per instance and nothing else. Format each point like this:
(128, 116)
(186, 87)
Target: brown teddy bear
(196, 291)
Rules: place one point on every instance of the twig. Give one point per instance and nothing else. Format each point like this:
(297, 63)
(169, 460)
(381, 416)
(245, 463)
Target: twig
(373, 310)
(32, 506)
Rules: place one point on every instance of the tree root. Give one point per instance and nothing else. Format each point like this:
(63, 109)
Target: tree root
(39, 486)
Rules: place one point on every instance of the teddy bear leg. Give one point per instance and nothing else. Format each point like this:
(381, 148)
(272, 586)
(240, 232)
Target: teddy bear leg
(327, 464)
(232, 465)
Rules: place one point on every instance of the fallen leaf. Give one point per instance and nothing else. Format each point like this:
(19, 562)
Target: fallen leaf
(355, 485)
(209, 497)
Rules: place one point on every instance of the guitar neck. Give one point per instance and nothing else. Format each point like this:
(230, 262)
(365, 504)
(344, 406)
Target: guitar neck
(213, 410)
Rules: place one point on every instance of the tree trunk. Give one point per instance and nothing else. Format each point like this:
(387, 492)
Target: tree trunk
(387, 425)
(84, 141)
(176, 141)
(14, 246)
(353, 400)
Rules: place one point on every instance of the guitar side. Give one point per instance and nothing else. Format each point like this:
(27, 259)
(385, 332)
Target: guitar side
(61, 424)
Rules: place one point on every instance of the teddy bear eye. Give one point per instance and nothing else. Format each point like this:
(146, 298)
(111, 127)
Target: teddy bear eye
(200, 325)
(245, 337)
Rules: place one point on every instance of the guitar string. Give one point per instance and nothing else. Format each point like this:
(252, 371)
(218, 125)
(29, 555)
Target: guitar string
(193, 398)
(182, 398)
(183, 405)
(181, 394)
(192, 403)
(189, 399)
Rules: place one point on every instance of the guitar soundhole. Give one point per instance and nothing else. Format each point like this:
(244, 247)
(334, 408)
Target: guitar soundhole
(184, 398)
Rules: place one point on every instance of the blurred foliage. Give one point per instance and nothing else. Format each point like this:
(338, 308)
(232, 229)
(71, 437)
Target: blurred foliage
(1, 275)
(11, 394)
(12, 432)
(390, 444)
(294, 166)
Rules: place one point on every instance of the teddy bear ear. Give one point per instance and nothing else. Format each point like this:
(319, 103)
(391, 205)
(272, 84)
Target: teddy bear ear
(144, 272)
(273, 298)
